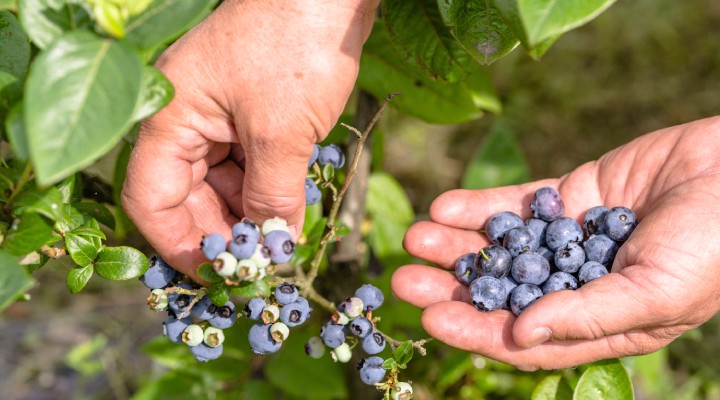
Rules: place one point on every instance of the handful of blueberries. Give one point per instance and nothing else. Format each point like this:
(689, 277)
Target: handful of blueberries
(547, 252)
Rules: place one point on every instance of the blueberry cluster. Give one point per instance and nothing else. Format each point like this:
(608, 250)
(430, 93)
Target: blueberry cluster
(350, 325)
(248, 255)
(192, 318)
(322, 155)
(275, 318)
(547, 252)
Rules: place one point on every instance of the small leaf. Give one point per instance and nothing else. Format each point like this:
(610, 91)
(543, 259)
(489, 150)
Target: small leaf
(47, 202)
(252, 289)
(71, 220)
(98, 211)
(404, 353)
(26, 235)
(390, 364)
(81, 250)
(552, 387)
(46, 20)
(14, 46)
(219, 293)
(74, 117)
(155, 93)
(78, 277)
(14, 280)
(164, 20)
(207, 273)
(120, 263)
(604, 380)
(328, 172)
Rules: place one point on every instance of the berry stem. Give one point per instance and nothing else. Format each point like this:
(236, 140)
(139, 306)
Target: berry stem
(418, 345)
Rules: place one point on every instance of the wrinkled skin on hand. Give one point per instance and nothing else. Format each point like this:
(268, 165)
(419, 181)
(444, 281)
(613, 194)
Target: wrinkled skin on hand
(665, 276)
(257, 84)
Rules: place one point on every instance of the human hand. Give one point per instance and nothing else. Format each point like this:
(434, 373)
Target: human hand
(666, 274)
(256, 85)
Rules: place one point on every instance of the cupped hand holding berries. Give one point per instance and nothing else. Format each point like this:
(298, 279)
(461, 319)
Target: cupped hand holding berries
(665, 275)
(256, 85)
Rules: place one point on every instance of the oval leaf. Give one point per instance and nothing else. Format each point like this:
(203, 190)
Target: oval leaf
(14, 281)
(82, 249)
(47, 202)
(80, 97)
(404, 353)
(27, 235)
(604, 380)
(252, 289)
(78, 277)
(165, 20)
(219, 293)
(552, 387)
(46, 20)
(14, 46)
(543, 20)
(120, 263)
(156, 93)
(207, 273)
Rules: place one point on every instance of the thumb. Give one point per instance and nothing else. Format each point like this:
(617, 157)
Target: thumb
(606, 306)
(274, 184)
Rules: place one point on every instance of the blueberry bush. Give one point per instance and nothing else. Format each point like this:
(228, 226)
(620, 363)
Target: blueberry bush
(313, 319)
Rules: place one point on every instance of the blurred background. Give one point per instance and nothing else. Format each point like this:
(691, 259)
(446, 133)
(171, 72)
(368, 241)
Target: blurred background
(638, 67)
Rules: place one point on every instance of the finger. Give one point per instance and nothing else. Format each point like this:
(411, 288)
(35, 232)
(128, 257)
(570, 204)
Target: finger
(226, 179)
(441, 244)
(490, 334)
(423, 286)
(274, 183)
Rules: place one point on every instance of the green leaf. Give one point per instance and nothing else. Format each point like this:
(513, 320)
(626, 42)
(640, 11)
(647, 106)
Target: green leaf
(165, 20)
(498, 162)
(27, 234)
(72, 219)
(80, 97)
(46, 20)
(604, 380)
(260, 288)
(320, 379)
(47, 202)
(383, 71)
(207, 273)
(93, 209)
(8, 4)
(15, 131)
(14, 280)
(120, 263)
(86, 357)
(511, 14)
(14, 46)
(542, 20)
(390, 364)
(71, 188)
(175, 385)
(417, 31)
(391, 213)
(78, 277)
(404, 353)
(480, 29)
(155, 93)
(552, 387)
(328, 172)
(219, 293)
(84, 243)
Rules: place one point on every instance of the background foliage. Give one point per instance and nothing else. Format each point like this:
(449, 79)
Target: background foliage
(638, 67)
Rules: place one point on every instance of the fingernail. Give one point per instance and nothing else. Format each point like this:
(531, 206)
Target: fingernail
(539, 336)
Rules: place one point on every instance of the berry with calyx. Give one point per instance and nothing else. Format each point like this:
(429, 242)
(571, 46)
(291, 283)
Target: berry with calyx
(286, 293)
(401, 391)
(371, 297)
(312, 192)
(254, 308)
(559, 281)
(205, 353)
(204, 309)
(225, 264)
(212, 245)
(371, 370)
(275, 224)
(339, 318)
(192, 335)
(279, 332)
(495, 261)
(591, 270)
(261, 257)
(352, 307)
(158, 300)
(547, 204)
(570, 257)
(315, 347)
(295, 313)
(179, 302)
(270, 313)
(620, 222)
(261, 340)
(158, 275)
(332, 335)
(498, 224)
(247, 231)
(173, 328)
(213, 337)
(341, 353)
(374, 343)
(279, 245)
(360, 327)
(224, 316)
(520, 240)
(488, 293)
(247, 270)
(331, 154)
(594, 220)
(563, 231)
(465, 269)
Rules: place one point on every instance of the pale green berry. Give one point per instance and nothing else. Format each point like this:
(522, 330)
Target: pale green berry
(315, 347)
(270, 314)
(213, 337)
(274, 224)
(279, 332)
(246, 270)
(261, 257)
(341, 353)
(339, 318)
(225, 264)
(192, 335)
(158, 300)
(401, 391)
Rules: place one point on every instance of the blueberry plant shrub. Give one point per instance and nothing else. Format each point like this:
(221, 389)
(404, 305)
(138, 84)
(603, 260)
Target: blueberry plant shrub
(302, 319)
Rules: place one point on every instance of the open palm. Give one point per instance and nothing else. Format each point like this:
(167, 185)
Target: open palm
(665, 276)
